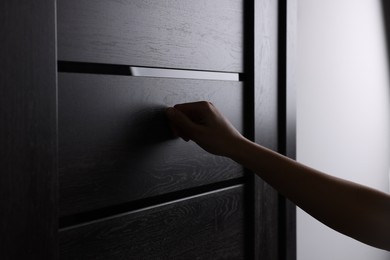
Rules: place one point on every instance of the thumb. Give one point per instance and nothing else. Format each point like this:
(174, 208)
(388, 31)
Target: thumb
(181, 124)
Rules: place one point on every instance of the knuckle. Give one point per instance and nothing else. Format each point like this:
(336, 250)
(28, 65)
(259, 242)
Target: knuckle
(207, 105)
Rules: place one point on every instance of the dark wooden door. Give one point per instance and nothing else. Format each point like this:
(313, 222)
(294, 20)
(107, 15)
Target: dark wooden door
(127, 189)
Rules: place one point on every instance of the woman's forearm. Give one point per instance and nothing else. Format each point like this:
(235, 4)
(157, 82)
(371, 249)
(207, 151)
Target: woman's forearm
(355, 210)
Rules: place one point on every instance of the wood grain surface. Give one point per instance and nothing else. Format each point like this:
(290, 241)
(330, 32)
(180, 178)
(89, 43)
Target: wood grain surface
(208, 226)
(202, 35)
(268, 74)
(28, 134)
(115, 144)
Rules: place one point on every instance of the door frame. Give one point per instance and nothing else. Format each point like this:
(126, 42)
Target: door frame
(28, 132)
(270, 69)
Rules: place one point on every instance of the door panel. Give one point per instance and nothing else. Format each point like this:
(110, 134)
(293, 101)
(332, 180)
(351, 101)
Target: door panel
(207, 226)
(115, 144)
(202, 35)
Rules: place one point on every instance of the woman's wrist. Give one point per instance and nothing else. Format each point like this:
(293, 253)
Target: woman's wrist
(239, 149)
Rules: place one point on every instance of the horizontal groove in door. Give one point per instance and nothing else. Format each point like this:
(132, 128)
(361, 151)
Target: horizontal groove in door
(182, 74)
(209, 226)
(68, 222)
(116, 146)
(93, 68)
(111, 69)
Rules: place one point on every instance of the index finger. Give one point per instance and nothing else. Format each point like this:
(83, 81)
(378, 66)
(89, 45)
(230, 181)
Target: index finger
(194, 110)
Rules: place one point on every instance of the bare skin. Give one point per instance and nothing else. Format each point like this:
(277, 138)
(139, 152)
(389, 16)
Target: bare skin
(355, 210)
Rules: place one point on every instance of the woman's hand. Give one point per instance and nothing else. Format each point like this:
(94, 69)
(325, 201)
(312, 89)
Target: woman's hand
(202, 123)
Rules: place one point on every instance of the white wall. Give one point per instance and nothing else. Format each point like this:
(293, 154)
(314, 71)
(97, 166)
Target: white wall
(342, 110)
